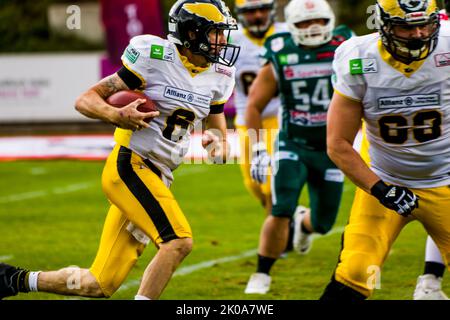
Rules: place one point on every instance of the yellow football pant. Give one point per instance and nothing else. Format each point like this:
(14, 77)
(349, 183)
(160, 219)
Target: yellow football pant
(372, 229)
(260, 191)
(139, 196)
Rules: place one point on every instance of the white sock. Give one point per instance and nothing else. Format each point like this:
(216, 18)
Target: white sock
(139, 297)
(33, 281)
(432, 253)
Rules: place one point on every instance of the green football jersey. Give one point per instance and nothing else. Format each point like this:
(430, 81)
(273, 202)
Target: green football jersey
(304, 85)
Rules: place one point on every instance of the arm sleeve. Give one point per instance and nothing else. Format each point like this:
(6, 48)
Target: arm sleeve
(217, 108)
(131, 79)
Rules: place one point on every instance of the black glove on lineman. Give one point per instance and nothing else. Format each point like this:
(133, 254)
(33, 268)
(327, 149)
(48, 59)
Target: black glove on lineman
(397, 198)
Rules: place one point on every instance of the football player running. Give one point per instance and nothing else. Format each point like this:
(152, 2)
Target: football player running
(257, 23)
(429, 284)
(397, 81)
(298, 66)
(189, 77)
(256, 18)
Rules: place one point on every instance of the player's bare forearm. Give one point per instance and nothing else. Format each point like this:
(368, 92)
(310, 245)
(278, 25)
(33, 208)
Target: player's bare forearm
(344, 122)
(92, 103)
(350, 162)
(262, 90)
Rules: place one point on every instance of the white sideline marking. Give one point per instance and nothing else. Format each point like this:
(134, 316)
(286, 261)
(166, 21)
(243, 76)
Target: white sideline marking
(188, 170)
(37, 171)
(6, 258)
(76, 187)
(72, 188)
(207, 264)
(42, 193)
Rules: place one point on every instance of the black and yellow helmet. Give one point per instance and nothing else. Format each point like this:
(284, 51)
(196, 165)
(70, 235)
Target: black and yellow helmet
(408, 13)
(201, 17)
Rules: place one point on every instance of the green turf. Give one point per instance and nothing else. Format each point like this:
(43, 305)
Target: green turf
(52, 212)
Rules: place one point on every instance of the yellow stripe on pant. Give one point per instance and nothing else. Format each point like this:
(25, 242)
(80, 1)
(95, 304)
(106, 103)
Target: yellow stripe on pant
(372, 229)
(139, 196)
(260, 191)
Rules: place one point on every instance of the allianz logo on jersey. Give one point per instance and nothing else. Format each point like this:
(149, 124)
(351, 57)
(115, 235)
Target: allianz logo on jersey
(411, 101)
(187, 96)
(305, 71)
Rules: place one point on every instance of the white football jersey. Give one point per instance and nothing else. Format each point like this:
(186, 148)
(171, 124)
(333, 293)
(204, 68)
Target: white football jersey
(247, 67)
(183, 94)
(406, 109)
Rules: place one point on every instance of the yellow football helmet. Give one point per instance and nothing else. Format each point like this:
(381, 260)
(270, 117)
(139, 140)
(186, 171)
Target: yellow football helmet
(408, 14)
(258, 27)
(200, 17)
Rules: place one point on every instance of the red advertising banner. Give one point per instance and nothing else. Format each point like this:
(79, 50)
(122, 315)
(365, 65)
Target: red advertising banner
(124, 19)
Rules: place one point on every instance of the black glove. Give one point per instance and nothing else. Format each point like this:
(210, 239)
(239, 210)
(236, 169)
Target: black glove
(397, 198)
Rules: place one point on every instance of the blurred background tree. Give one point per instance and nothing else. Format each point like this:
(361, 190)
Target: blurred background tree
(24, 25)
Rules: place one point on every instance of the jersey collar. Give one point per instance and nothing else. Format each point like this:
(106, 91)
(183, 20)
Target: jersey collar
(406, 69)
(191, 68)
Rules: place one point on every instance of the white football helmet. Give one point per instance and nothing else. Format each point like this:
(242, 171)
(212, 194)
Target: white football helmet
(304, 10)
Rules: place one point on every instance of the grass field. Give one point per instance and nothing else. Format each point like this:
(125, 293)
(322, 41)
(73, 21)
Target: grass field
(51, 216)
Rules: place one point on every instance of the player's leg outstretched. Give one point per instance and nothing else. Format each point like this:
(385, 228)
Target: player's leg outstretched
(14, 280)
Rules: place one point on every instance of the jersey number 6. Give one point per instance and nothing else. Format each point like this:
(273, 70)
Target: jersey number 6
(181, 118)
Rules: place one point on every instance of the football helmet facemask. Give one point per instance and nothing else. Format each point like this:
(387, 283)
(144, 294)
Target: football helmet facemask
(191, 22)
(408, 14)
(303, 10)
(258, 27)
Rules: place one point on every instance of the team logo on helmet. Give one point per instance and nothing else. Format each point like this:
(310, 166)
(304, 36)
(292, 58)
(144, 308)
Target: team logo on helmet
(207, 11)
(413, 5)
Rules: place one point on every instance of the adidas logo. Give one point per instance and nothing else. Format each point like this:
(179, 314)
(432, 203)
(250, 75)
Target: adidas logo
(391, 193)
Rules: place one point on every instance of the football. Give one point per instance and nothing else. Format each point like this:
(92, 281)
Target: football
(122, 98)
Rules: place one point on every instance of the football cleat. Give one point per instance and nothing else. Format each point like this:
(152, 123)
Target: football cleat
(9, 280)
(259, 283)
(429, 288)
(302, 242)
